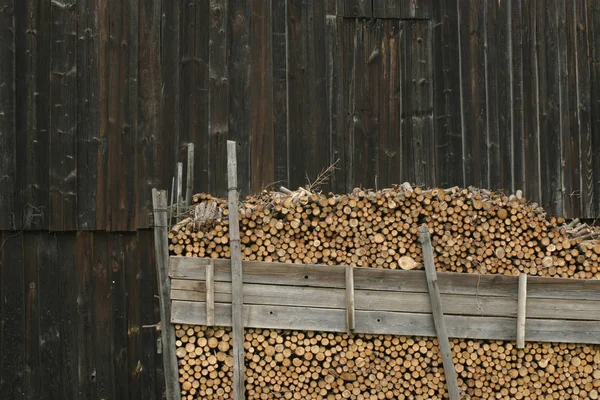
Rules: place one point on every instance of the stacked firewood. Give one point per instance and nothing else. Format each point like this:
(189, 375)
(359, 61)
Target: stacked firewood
(312, 365)
(473, 231)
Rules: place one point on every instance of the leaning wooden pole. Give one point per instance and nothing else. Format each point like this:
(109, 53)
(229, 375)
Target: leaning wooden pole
(438, 314)
(161, 248)
(237, 300)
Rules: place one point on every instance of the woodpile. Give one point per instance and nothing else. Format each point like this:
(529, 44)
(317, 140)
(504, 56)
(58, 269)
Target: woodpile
(473, 231)
(312, 365)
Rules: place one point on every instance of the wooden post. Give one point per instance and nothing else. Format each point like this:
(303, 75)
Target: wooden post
(210, 293)
(237, 300)
(179, 190)
(189, 187)
(350, 299)
(438, 314)
(161, 248)
(521, 311)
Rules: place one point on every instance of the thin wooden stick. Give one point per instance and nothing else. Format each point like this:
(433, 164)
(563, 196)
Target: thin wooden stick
(237, 300)
(350, 324)
(521, 311)
(190, 175)
(179, 189)
(210, 293)
(171, 203)
(159, 201)
(438, 314)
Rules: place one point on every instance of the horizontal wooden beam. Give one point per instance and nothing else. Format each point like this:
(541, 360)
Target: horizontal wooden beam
(388, 323)
(333, 276)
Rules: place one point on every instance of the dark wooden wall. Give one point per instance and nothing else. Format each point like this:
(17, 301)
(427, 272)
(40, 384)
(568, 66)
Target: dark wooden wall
(74, 309)
(99, 99)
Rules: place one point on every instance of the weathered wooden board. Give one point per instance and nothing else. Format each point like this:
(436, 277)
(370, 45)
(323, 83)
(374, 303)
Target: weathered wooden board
(389, 323)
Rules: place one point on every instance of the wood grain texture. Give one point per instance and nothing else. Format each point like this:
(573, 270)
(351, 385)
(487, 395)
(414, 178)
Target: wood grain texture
(12, 342)
(31, 357)
(262, 130)
(355, 8)
(63, 116)
(9, 202)
(593, 18)
(280, 92)
(218, 95)
(33, 105)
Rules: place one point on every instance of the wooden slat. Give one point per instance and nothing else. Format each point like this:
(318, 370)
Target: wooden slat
(151, 147)
(63, 130)
(210, 294)
(31, 259)
(521, 311)
(218, 96)
(498, 142)
(280, 92)
(374, 300)
(261, 100)
(350, 303)
(386, 280)
(159, 201)
(593, 18)
(9, 205)
(239, 64)
(447, 90)
(517, 95)
(388, 323)
(403, 9)
(438, 314)
(33, 105)
(237, 299)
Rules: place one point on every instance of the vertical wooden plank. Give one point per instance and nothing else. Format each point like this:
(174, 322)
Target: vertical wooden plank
(261, 100)
(570, 111)
(9, 204)
(131, 270)
(13, 321)
(280, 92)
(102, 370)
(31, 260)
(417, 102)
(389, 106)
(359, 114)
(170, 105)
(415, 9)
(194, 86)
(63, 130)
(336, 68)
(517, 100)
(475, 133)
(550, 102)
(349, 299)
(494, 29)
(33, 118)
(352, 42)
(67, 291)
(531, 102)
(521, 311)
(151, 145)
(147, 333)
(122, 103)
(49, 318)
(438, 314)
(189, 175)
(581, 25)
(239, 64)
(89, 145)
(593, 17)
(210, 294)
(447, 92)
(218, 95)
(159, 201)
(118, 313)
(84, 262)
(374, 81)
(357, 8)
(237, 299)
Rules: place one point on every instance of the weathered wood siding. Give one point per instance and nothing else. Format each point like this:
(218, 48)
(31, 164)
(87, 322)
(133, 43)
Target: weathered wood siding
(98, 100)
